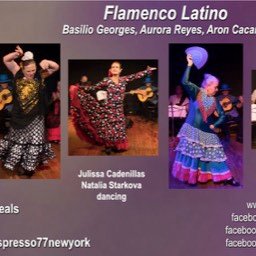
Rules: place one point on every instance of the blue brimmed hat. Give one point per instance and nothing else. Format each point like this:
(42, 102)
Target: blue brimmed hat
(4, 78)
(225, 87)
(148, 80)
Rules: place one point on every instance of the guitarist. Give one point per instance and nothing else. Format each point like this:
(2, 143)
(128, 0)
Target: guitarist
(152, 99)
(232, 106)
(6, 109)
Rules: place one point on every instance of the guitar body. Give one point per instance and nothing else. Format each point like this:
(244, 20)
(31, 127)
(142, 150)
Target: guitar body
(226, 105)
(142, 94)
(148, 94)
(5, 98)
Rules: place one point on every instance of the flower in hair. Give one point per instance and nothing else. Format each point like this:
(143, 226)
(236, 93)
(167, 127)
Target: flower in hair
(28, 56)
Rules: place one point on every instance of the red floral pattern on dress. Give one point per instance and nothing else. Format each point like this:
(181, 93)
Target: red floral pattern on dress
(103, 122)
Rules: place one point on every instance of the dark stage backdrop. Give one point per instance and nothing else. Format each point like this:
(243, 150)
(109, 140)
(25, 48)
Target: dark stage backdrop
(225, 61)
(96, 70)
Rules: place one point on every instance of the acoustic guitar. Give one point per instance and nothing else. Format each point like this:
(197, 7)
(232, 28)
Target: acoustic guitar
(142, 94)
(226, 104)
(5, 98)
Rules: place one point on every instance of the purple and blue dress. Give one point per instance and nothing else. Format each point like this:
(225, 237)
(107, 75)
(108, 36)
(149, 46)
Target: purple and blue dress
(199, 154)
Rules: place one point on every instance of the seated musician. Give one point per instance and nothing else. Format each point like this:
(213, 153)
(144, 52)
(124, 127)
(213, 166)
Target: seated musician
(151, 89)
(178, 108)
(5, 100)
(253, 97)
(253, 107)
(148, 97)
(232, 106)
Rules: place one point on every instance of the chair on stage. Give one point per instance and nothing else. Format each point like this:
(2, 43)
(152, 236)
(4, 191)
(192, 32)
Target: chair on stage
(177, 116)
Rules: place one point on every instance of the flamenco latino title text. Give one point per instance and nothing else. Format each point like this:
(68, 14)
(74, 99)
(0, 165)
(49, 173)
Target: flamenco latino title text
(172, 18)
(111, 185)
(241, 233)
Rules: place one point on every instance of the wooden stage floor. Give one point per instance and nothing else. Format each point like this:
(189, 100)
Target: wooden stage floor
(142, 139)
(49, 171)
(234, 152)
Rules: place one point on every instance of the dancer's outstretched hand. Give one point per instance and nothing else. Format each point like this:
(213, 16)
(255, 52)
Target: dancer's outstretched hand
(151, 68)
(19, 51)
(190, 60)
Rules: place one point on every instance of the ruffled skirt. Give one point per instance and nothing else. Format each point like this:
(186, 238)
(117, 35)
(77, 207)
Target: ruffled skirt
(26, 147)
(99, 123)
(199, 157)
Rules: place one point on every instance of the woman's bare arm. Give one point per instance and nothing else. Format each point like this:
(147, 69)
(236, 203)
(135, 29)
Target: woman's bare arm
(48, 67)
(9, 60)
